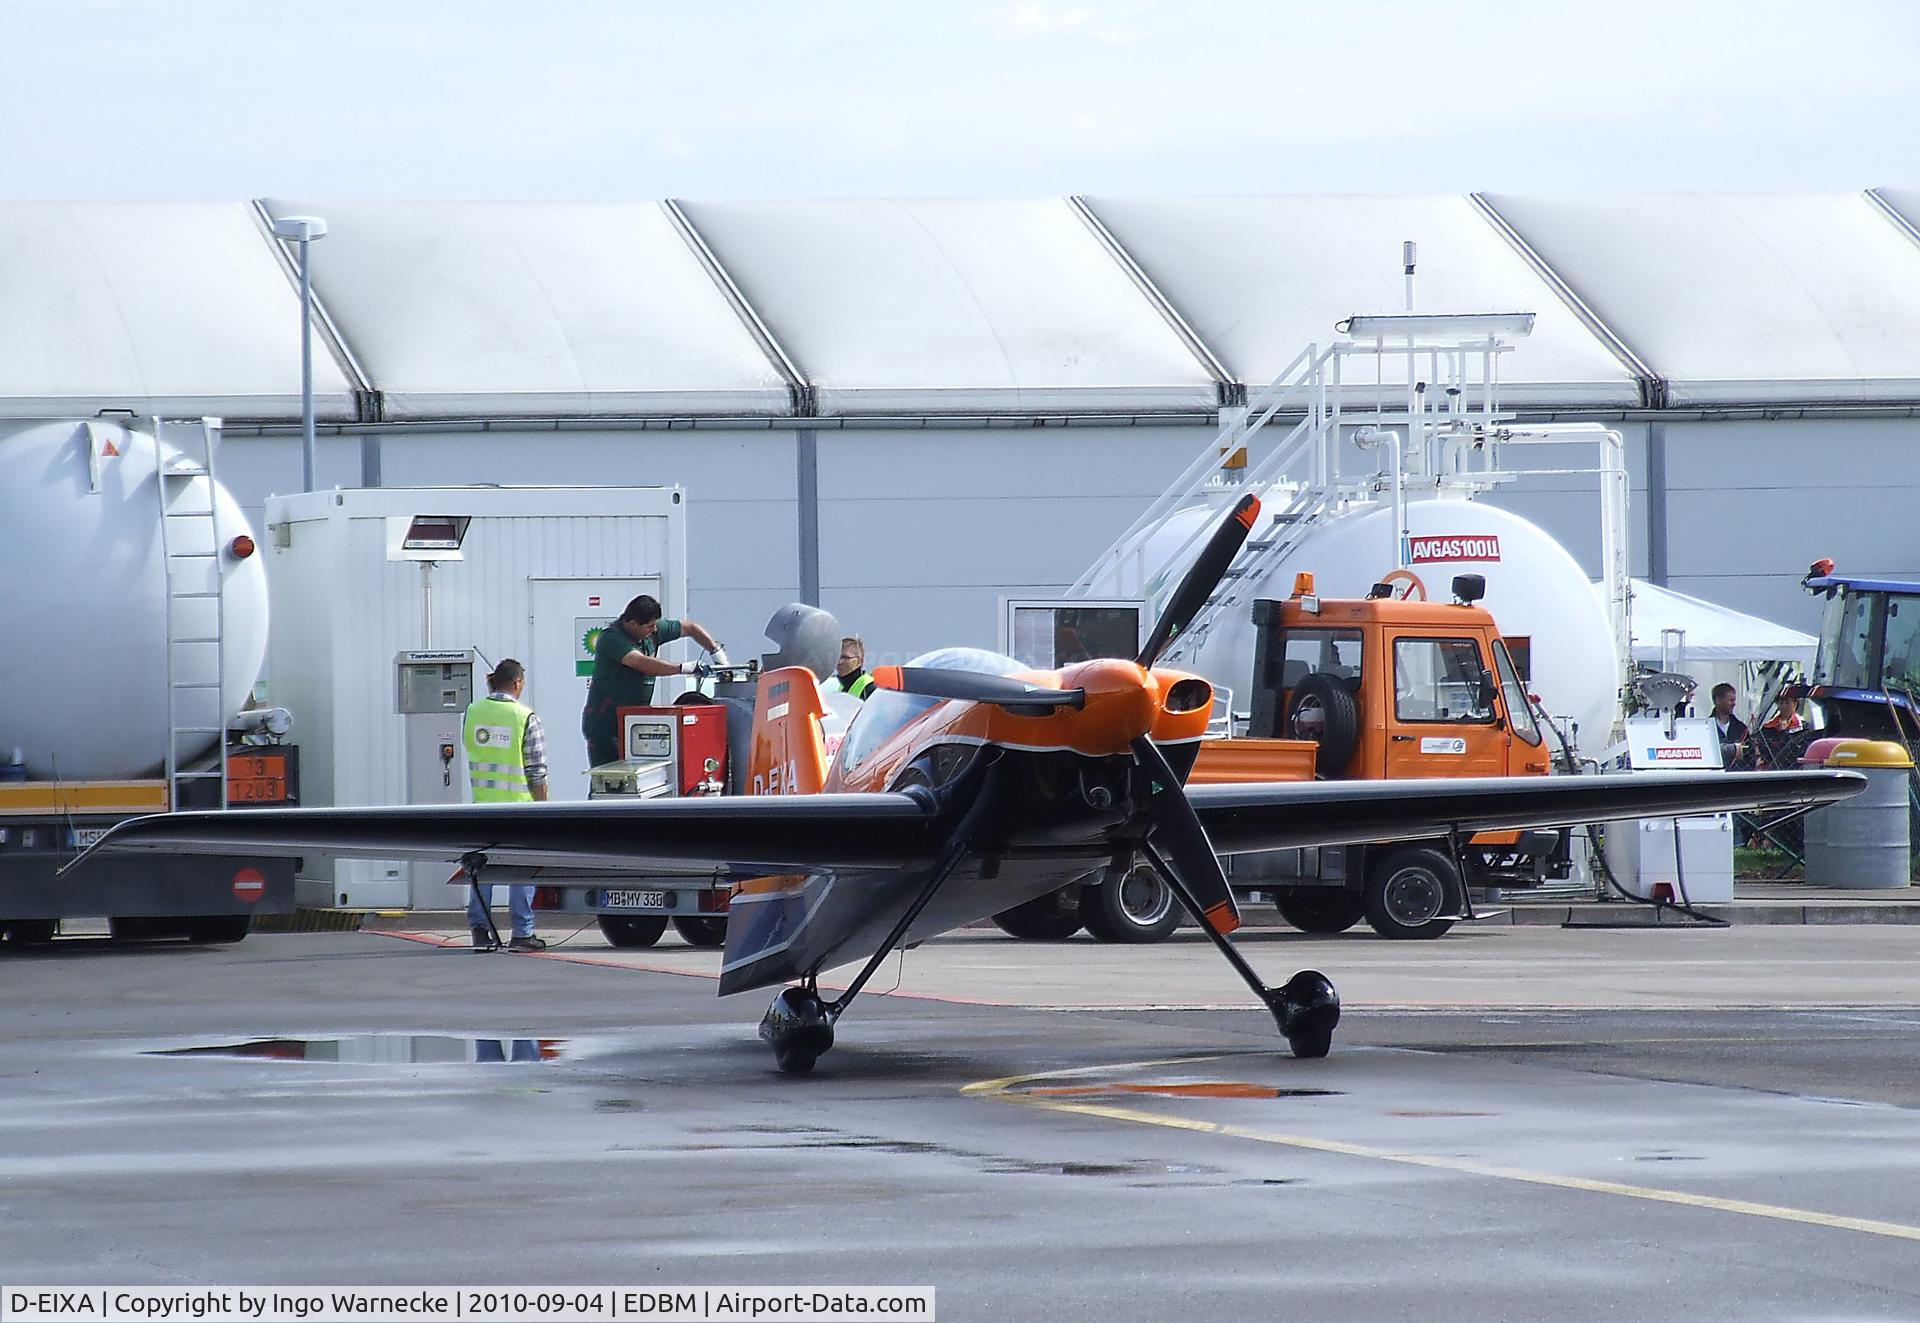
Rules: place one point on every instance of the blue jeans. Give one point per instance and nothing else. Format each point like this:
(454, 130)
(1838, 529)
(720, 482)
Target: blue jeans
(519, 903)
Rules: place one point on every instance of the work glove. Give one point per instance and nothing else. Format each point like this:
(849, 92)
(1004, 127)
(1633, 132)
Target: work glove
(699, 668)
(719, 655)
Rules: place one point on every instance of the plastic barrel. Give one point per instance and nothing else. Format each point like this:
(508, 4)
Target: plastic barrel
(1861, 842)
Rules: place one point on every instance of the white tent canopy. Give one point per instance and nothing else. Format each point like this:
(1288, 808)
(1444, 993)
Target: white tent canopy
(512, 310)
(952, 306)
(165, 307)
(1714, 633)
(1259, 278)
(1742, 298)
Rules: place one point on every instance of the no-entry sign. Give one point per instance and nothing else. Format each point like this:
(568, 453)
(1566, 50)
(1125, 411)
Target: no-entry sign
(249, 885)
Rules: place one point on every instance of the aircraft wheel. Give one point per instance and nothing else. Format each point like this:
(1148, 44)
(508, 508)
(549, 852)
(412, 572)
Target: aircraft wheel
(799, 1030)
(791, 1060)
(1308, 1011)
(1051, 918)
(626, 930)
(1409, 891)
(1320, 909)
(31, 932)
(704, 931)
(218, 929)
(1137, 909)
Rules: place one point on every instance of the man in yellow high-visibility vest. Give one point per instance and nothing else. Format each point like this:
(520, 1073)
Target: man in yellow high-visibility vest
(851, 677)
(506, 764)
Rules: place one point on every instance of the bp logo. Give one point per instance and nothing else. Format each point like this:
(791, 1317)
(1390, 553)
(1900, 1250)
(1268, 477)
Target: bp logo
(491, 735)
(591, 639)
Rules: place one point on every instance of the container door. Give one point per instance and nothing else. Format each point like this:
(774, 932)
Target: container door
(567, 615)
(1442, 719)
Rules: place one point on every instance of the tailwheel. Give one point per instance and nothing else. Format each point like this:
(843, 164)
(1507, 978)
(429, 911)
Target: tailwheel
(1307, 1008)
(799, 1027)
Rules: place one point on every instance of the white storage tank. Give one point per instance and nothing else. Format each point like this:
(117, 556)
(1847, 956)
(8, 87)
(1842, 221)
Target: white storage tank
(1536, 591)
(84, 644)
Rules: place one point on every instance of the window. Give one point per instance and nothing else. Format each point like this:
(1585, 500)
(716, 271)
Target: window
(1519, 708)
(1441, 680)
(1846, 632)
(1334, 652)
(1900, 654)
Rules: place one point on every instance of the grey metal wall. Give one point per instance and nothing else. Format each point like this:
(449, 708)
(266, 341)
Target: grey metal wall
(922, 531)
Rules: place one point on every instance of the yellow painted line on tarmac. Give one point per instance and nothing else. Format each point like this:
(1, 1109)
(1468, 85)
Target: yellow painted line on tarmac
(1008, 1090)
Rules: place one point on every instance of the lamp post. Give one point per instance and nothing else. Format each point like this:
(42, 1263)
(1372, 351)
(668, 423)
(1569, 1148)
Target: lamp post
(303, 230)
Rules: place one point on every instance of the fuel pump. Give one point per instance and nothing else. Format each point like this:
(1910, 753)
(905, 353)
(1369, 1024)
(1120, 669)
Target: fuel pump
(432, 690)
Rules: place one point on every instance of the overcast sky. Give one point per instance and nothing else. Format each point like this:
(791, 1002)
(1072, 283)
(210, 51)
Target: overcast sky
(607, 99)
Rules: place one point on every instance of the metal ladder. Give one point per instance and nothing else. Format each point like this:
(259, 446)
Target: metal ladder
(191, 550)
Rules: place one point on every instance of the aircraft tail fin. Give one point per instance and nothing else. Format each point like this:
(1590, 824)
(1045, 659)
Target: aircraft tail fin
(789, 744)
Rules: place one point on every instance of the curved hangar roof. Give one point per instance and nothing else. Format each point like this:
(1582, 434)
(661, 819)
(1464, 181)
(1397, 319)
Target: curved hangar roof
(941, 308)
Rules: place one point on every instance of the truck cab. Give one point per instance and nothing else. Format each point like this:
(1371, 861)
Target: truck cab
(1386, 689)
(1389, 689)
(1866, 675)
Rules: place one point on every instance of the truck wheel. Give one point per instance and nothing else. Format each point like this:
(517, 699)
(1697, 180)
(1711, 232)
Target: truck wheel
(218, 928)
(1051, 918)
(1138, 908)
(630, 930)
(31, 932)
(1323, 711)
(704, 931)
(1320, 909)
(1408, 892)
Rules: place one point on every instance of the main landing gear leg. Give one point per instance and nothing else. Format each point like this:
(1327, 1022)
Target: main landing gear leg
(1306, 1007)
(799, 1026)
(473, 864)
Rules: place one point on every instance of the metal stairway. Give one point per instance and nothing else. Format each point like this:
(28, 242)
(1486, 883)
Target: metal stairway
(1291, 474)
(192, 550)
(1444, 427)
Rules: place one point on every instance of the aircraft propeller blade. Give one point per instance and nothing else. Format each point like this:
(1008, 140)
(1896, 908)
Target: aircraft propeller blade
(975, 687)
(1202, 576)
(1181, 838)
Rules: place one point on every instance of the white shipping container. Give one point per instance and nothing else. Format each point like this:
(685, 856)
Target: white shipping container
(538, 569)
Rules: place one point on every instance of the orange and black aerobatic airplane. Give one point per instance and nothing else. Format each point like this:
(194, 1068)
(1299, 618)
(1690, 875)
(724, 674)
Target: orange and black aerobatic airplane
(969, 786)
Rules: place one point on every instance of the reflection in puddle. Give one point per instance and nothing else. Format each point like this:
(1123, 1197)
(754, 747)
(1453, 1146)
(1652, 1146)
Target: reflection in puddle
(381, 1049)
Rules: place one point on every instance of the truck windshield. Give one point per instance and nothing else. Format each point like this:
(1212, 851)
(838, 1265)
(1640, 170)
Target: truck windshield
(1846, 636)
(1900, 647)
(1519, 707)
(1440, 680)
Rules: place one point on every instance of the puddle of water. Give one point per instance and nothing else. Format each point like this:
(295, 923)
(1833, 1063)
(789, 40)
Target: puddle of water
(382, 1049)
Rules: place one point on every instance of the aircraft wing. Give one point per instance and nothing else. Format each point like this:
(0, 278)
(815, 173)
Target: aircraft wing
(1241, 819)
(770, 833)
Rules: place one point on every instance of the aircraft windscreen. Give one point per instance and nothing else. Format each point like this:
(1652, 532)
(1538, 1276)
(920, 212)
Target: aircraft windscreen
(887, 710)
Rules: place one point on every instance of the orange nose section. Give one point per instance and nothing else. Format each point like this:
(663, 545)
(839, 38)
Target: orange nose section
(1120, 705)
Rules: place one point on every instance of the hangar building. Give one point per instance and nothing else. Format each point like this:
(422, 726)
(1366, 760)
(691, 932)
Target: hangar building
(906, 409)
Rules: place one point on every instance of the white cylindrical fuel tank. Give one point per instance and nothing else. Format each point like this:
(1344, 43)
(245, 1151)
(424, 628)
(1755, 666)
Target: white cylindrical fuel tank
(83, 647)
(1535, 590)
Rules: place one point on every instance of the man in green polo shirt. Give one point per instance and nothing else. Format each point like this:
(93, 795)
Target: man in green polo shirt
(625, 666)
